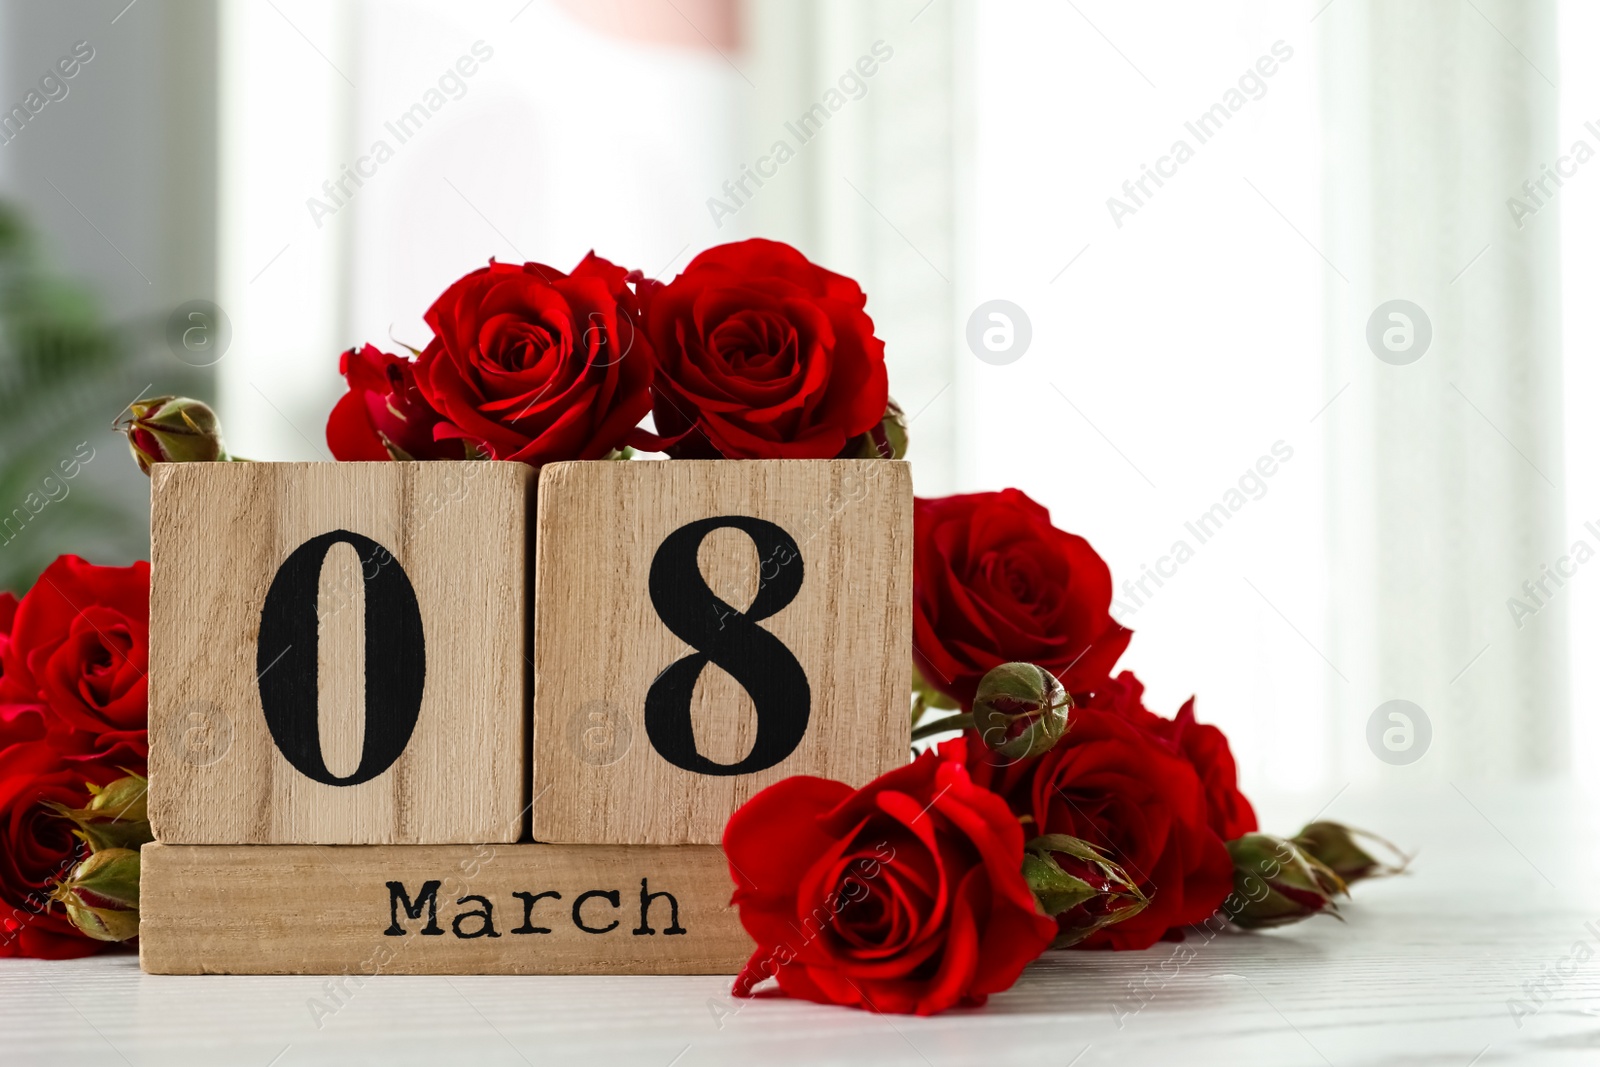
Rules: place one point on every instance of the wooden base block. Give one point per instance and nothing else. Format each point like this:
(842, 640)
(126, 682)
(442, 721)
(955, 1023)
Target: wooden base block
(364, 910)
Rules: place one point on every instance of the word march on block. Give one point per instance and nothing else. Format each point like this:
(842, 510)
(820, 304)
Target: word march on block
(337, 652)
(706, 628)
(360, 911)
(339, 718)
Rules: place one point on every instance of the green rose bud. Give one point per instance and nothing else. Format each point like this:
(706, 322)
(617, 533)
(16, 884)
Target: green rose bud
(124, 798)
(104, 924)
(1078, 886)
(888, 439)
(115, 817)
(101, 896)
(172, 429)
(1020, 710)
(1337, 847)
(1275, 883)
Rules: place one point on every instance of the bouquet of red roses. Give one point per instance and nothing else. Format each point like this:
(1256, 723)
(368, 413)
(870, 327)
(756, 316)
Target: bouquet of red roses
(1063, 813)
(73, 655)
(753, 352)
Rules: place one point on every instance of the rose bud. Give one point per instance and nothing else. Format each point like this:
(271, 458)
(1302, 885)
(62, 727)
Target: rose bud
(1275, 883)
(173, 429)
(1336, 846)
(1020, 710)
(1078, 886)
(124, 798)
(102, 895)
(888, 439)
(115, 817)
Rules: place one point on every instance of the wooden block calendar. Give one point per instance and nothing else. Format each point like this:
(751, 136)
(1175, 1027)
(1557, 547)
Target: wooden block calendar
(370, 681)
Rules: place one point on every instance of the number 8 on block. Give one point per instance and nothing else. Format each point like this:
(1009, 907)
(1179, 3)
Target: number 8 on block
(706, 628)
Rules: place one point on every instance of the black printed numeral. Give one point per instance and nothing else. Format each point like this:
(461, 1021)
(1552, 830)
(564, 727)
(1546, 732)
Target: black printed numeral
(286, 658)
(731, 640)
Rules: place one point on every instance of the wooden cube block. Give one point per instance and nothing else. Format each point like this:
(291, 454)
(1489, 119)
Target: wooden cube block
(337, 652)
(705, 628)
(363, 910)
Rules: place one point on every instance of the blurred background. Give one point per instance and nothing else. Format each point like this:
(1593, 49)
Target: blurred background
(1282, 305)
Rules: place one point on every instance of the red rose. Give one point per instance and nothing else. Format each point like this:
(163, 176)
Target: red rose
(37, 848)
(763, 355)
(9, 713)
(74, 667)
(8, 615)
(531, 364)
(383, 416)
(906, 895)
(73, 655)
(1116, 787)
(1205, 747)
(1207, 750)
(995, 583)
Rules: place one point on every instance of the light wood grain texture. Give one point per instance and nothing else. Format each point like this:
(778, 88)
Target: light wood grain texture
(437, 909)
(601, 642)
(220, 533)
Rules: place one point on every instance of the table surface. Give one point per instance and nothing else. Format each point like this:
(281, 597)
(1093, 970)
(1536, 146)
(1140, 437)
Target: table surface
(1488, 952)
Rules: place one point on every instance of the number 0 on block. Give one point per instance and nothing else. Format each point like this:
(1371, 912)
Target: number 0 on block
(705, 628)
(336, 652)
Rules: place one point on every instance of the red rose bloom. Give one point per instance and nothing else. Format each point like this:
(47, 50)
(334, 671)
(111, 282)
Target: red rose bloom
(383, 416)
(8, 713)
(995, 582)
(763, 355)
(8, 615)
(1207, 750)
(75, 663)
(37, 848)
(531, 364)
(1116, 787)
(73, 656)
(1205, 747)
(905, 896)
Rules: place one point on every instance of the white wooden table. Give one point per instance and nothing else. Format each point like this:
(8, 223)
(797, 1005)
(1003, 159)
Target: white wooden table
(1422, 972)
